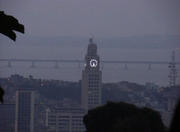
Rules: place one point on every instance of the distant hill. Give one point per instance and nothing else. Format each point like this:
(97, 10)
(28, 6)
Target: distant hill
(121, 91)
(153, 41)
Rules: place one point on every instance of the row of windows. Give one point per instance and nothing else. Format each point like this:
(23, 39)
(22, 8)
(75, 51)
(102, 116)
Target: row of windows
(93, 100)
(77, 128)
(63, 124)
(93, 90)
(93, 86)
(64, 128)
(93, 81)
(93, 96)
(63, 116)
(93, 103)
(93, 75)
(51, 124)
(77, 124)
(63, 120)
(78, 120)
(77, 116)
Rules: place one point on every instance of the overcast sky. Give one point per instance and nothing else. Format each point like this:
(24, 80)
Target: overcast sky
(102, 18)
(47, 21)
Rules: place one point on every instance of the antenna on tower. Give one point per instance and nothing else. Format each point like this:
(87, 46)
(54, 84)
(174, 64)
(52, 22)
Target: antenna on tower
(91, 35)
(172, 70)
(91, 38)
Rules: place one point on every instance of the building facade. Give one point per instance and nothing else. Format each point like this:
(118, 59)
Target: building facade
(24, 116)
(91, 79)
(7, 117)
(65, 120)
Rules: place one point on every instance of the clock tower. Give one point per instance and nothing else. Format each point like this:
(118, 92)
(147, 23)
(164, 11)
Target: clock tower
(91, 78)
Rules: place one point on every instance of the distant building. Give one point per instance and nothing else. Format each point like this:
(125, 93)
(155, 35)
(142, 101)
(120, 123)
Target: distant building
(65, 120)
(172, 98)
(24, 118)
(172, 101)
(91, 79)
(166, 117)
(151, 86)
(39, 118)
(7, 117)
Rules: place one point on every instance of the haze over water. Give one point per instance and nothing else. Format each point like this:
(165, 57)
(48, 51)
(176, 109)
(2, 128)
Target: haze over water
(123, 30)
(72, 72)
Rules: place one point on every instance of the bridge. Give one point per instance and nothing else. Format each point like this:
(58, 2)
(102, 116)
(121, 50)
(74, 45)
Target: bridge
(56, 62)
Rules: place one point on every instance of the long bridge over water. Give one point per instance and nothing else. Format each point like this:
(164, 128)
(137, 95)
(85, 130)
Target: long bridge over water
(56, 62)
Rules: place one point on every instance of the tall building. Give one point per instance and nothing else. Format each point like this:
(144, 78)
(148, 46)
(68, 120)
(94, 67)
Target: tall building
(91, 78)
(24, 116)
(172, 71)
(7, 117)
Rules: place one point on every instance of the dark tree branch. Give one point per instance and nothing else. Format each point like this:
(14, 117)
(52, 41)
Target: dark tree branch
(1, 94)
(9, 24)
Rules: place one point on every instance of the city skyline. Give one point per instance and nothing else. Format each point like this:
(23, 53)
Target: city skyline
(112, 73)
(123, 30)
(52, 79)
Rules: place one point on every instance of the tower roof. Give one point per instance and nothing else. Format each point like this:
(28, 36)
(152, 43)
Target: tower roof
(92, 47)
(90, 40)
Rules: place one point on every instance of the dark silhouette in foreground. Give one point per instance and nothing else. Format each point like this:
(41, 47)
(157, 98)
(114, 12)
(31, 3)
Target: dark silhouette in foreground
(175, 123)
(123, 117)
(9, 24)
(1, 94)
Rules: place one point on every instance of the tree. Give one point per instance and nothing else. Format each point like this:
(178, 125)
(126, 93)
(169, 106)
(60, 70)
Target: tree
(1, 94)
(9, 24)
(123, 117)
(174, 127)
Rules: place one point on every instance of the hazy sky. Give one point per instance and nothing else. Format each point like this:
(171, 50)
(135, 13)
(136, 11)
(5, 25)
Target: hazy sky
(102, 18)
(47, 21)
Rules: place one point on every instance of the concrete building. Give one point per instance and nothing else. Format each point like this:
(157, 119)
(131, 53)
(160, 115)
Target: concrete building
(65, 120)
(7, 117)
(91, 79)
(24, 117)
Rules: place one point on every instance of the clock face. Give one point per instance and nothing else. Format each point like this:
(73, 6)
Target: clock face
(93, 63)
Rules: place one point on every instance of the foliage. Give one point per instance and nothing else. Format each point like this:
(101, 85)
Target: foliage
(174, 127)
(1, 94)
(123, 117)
(9, 24)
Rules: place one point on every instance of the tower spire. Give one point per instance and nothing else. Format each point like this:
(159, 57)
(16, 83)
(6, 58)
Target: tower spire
(91, 40)
(173, 71)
